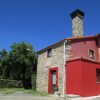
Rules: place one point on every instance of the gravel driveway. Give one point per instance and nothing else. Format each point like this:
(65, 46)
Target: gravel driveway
(19, 95)
(29, 98)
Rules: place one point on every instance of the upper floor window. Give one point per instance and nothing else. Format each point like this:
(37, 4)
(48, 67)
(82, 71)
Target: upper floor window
(97, 75)
(49, 53)
(91, 54)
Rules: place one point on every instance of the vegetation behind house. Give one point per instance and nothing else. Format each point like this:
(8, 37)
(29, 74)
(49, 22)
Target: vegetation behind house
(19, 64)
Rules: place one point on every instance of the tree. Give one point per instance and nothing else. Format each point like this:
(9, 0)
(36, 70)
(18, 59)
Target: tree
(23, 62)
(4, 64)
(19, 63)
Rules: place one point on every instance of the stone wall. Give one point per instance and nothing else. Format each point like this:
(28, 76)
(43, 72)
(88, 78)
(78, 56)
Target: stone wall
(77, 26)
(57, 60)
(44, 63)
(98, 48)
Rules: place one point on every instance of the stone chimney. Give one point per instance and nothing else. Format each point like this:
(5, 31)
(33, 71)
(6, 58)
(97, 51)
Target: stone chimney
(77, 23)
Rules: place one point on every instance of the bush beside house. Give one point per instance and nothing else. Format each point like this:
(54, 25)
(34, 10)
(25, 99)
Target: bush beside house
(5, 83)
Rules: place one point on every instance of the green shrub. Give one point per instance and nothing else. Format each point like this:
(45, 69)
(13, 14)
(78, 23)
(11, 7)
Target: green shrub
(5, 83)
(33, 81)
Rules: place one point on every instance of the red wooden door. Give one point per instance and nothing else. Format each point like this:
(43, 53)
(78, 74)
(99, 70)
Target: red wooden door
(53, 80)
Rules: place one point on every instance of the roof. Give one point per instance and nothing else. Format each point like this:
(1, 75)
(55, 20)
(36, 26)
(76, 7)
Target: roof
(71, 39)
(82, 59)
(81, 37)
(51, 45)
(76, 13)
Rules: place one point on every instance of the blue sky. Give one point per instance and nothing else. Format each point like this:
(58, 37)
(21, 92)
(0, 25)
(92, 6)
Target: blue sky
(44, 22)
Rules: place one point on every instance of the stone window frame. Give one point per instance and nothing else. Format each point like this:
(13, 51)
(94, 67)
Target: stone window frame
(93, 54)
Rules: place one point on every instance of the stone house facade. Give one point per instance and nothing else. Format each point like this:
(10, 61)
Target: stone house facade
(55, 60)
(46, 63)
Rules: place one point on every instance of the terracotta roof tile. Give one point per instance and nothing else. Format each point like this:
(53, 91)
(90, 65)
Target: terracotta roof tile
(81, 58)
(73, 38)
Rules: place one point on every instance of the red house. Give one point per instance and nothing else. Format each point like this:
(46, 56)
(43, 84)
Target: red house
(83, 69)
(71, 66)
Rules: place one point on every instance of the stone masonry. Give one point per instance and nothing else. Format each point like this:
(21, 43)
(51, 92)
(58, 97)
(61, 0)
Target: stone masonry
(44, 63)
(77, 23)
(57, 60)
(98, 41)
(77, 26)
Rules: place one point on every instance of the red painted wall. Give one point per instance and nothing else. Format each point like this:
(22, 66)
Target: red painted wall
(80, 48)
(74, 78)
(90, 87)
(81, 78)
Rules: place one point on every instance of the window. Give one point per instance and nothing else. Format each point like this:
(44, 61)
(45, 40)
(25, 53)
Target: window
(49, 53)
(97, 75)
(54, 77)
(91, 53)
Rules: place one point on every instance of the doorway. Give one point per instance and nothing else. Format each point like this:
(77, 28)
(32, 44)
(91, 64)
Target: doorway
(53, 80)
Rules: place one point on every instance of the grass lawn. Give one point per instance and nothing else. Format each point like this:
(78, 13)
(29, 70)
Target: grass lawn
(8, 91)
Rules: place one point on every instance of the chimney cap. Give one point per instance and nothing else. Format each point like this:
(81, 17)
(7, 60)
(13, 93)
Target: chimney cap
(77, 13)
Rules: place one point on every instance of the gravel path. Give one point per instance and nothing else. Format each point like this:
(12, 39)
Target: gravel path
(22, 96)
(19, 95)
(40, 98)
(29, 98)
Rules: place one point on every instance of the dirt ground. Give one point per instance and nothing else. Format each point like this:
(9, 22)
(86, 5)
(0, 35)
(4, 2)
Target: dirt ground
(29, 98)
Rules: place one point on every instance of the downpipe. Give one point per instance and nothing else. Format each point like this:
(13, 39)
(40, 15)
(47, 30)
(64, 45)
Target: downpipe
(64, 69)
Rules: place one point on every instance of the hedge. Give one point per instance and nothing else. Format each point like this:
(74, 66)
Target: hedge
(5, 83)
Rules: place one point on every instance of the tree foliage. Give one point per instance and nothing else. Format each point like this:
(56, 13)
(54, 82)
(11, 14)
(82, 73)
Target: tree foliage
(19, 63)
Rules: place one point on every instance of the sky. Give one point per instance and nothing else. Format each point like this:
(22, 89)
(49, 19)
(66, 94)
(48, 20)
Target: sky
(44, 22)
